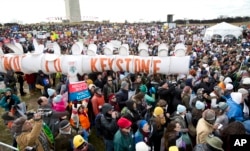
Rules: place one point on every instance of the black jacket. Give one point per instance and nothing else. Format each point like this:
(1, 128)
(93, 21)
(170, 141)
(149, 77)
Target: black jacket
(121, 97)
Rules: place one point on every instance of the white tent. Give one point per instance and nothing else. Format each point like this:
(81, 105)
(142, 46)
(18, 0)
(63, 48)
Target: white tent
(223, 29)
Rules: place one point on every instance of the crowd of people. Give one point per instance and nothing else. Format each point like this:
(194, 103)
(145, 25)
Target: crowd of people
(199, 110)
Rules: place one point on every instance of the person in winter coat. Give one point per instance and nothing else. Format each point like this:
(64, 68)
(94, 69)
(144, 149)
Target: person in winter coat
(43, 83)
(123, 139)
(157, 121)
(64, 139)
(109, 88)
(212, 143)
(122, 94)
(113, 102)
(173, 132)
(235, 111)
(130, 112)
(82, 145)
(10, 81)
(83, 118)
(143, 132)
(9, 100)
(31, 135)
(97, 101)
(205, 126)
(108, 123)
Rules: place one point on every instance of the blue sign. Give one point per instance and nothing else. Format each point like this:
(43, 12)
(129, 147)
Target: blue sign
(79, 96)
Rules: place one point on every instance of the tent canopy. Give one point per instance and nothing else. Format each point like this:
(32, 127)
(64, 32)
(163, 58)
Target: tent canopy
(223, 29)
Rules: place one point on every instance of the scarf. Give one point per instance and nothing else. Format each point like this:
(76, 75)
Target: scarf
(43, 140)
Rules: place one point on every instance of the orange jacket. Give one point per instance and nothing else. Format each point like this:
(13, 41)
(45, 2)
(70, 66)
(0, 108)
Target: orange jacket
(96, 102)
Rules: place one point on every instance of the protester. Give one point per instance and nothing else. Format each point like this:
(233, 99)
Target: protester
(212, 143)
(205, 126)
(32, 135)
(122, 94)
(81, 145)
(157, 121)
(9, 100)
(123, 139)
(64, 139)
(97, 100)
(108, 125)
(43, 83)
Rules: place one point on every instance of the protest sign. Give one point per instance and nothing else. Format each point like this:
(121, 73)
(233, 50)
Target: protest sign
(78, 91)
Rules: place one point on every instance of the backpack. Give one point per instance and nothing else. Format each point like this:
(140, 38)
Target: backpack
(98, 124)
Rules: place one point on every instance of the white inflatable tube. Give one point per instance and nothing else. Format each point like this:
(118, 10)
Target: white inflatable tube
(52, 63)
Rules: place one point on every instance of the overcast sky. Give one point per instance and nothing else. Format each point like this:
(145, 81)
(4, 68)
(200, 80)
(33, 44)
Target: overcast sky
(33, 11)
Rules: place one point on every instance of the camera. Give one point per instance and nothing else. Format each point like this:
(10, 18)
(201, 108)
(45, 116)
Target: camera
(44, 112)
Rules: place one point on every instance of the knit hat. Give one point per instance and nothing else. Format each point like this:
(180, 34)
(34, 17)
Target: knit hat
(209, 115)
(97, 90)
(57, 99)
(51, 91)
(214, 142)
(181, 108)
(141, 146)
(122, 76)
(236, 97)
(229, 86)
(143, 89)
(124, 123)
(223, 106)
(227, 80)
(8, 89)
(173, 148)
(123, 84)
(78, 140)
(243, 91)
(18, 124)
(246, 81)
(158, 111)
(199, 105)
(92, 85)
(64, 124)
(142, 123)
(110, 97)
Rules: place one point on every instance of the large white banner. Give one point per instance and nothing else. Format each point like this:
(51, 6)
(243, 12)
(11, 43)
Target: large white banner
(52, 63)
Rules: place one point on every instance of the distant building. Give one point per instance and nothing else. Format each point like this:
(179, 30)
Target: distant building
(73, 12)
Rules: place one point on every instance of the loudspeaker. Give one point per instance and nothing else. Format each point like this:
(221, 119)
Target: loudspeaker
(170, 18)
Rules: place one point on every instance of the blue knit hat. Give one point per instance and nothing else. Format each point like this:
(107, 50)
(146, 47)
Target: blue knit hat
(181, 108)
(142, 123)
(199, 105)
(51, 91)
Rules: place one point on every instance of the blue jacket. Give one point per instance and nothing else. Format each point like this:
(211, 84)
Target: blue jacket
(235, 110)
(7, 106)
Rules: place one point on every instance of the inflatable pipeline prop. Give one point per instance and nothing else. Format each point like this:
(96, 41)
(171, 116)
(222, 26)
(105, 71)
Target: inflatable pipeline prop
(56, 62)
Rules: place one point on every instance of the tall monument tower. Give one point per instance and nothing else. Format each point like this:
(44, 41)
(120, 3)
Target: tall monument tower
(73, 12)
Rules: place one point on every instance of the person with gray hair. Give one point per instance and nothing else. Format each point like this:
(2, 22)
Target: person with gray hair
(122, 94)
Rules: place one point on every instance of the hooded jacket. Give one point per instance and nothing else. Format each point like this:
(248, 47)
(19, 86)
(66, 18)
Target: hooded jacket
(108, 123)
(235, 108)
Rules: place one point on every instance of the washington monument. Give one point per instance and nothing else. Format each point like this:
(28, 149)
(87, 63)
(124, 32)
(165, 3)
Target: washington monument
(73, 12)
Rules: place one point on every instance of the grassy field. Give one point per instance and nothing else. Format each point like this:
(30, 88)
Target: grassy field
(5, 135)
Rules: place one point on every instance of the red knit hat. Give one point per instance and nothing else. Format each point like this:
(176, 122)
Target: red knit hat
(111, 96)
(124, 123)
